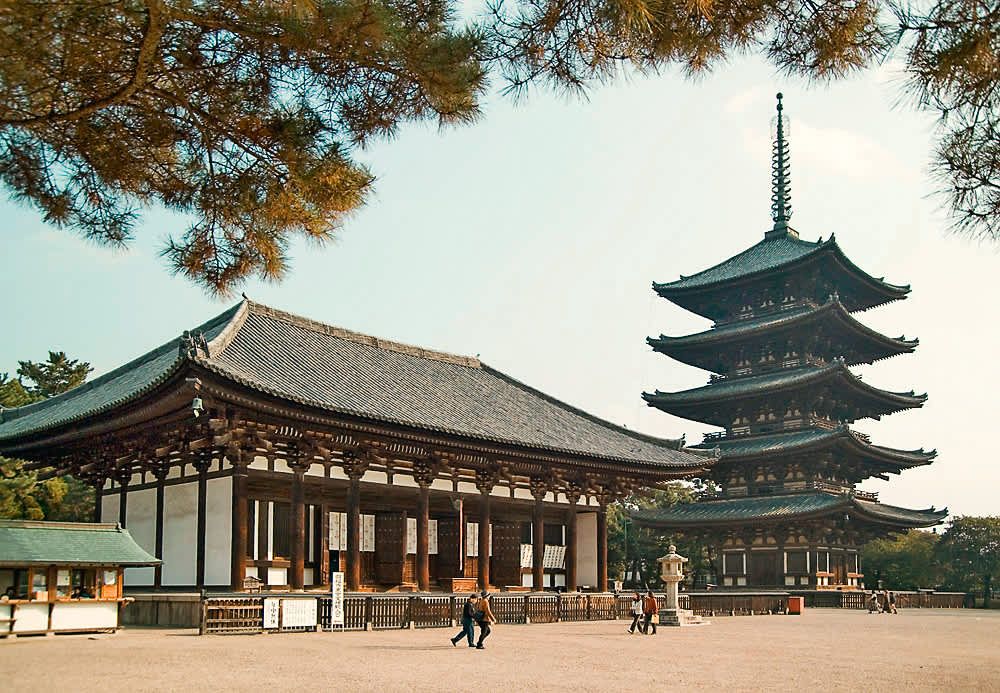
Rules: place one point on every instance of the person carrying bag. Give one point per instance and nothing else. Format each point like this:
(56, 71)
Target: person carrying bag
(651, 611)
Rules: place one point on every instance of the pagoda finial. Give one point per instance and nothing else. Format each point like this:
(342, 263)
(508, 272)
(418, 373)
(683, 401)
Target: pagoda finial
(781, 192)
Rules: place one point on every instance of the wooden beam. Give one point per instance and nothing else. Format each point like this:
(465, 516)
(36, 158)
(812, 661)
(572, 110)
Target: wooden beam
(238, 564)
(353, 535)
(423, 531)
(484, 540)
(202, 467)
(571, 574)
(295, 578)
(602, 549)
(161, 475)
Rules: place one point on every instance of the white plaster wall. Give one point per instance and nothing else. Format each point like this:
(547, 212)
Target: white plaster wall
(69, 615)
(337, 472)
(142, 526)
(218, 530)
(403, 480)
(281, 466)
(375, 477)
(316, 470)
(180, 534)
(109, 508)
(586, 549)
(441, 485)
(258, 463)
(467, 487)
(32, 617)
(523, 493)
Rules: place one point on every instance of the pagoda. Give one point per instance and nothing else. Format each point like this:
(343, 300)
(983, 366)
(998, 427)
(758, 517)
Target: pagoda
(787, 513)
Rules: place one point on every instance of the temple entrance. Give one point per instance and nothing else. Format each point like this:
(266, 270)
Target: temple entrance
(763, 568)
(838, 568)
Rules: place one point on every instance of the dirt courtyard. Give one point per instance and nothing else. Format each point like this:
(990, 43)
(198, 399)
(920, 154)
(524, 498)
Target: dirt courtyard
(825, 649)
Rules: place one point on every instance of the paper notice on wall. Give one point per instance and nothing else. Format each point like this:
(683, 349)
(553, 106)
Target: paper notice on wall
(343, 531)
(298, 613)
(432, 537)
(472, 539)
(337, 592)
(367, 532)
(333, 534)
(411, 535)
(526, 555)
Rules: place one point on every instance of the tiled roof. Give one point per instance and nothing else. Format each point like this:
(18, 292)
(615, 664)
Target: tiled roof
(872, 344)
(730, 389)
(780, 507)
(69, 543)
(769, 254)
(741, 509)
(329, 368)
(793, 441)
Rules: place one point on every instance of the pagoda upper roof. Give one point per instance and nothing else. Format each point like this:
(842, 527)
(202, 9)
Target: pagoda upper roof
(796, 442)
(781, 252)
(700, 349)
(772, 508)
(690, 403)
(321, 367)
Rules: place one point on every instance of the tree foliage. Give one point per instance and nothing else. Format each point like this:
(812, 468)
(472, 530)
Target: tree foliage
(904, 561)
(971, 547)
(22, 495)
(246, 115)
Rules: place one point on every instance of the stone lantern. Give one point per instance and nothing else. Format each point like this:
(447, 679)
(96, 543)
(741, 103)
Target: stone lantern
(672, 574)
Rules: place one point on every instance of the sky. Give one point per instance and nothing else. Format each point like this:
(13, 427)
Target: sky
(531, 239)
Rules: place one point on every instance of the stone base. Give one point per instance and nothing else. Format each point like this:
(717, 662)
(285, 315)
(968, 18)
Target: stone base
(680, 617)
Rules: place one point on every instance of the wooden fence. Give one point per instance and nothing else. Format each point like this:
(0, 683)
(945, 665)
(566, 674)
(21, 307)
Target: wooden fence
(234, 613)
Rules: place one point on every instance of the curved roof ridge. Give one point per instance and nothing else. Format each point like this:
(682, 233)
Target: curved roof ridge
(172, 345)
(361, 338)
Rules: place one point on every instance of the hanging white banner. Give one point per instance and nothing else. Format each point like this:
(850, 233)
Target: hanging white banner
(337, 592)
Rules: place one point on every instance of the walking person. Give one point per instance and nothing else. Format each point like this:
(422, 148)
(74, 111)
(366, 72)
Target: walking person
(636, 612)
(468, 621)
(484, 617)
(891, 601)
(651, 613)
(873, 605)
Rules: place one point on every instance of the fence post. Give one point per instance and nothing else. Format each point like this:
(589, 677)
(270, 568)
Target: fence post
(558, 607)
(409, 611)
(527, 619)
(588, 607)
(368, 615)
(451, 611)
(202, 622)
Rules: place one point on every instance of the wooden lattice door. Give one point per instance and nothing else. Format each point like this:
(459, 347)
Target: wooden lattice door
(506, 564)
(390, 547)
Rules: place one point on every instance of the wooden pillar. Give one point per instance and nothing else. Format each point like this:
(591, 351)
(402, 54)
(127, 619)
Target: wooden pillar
(238, 565)
(123, 481)
(571, 574)
(295, 577)
(202, 467)
(602, 548)
(98, 499)
(161, 475)
(354, 534)
(322, 544)
(423, 543)
(485, 484)
(538, 543)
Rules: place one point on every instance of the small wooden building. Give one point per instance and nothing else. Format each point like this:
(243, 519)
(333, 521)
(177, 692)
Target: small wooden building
(263, 444)
(63, 577)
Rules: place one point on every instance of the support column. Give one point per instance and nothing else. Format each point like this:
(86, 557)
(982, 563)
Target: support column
(423, 539)
(322, 544)
(295, 577)
(354, 466)
(602, 548)
(98, 498)
(238, 565)
(538, 490)
(202, 467)
(485, 481)
(123, 479)
(571, 573)
(161, 475)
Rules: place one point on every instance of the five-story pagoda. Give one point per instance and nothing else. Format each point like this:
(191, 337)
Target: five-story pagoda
(784, 337)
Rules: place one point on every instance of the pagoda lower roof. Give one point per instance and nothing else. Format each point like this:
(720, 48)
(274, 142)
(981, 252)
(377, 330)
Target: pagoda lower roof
(778, 253)
(731, 391)
(328, 369)
(795, 442)
(774, 508)
(699, 349)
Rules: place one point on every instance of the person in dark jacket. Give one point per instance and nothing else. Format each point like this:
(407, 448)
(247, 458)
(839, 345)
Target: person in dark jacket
(468, 622)
(484, 617)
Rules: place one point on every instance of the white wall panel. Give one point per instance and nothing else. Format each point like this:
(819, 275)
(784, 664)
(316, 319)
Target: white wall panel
(218, 530)
(142, 526)
(586, 549)
(180, 534)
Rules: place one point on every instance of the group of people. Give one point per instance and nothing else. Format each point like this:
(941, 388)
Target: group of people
(476, 612)
(645, 614)
(882, 602)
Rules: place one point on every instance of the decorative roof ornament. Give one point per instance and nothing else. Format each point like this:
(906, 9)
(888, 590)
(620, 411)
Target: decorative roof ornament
(781, 185)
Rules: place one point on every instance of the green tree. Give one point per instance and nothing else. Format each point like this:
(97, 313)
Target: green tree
(246, 115)
(54, 376)
(22, 495)
(971, 546)
(904, 561)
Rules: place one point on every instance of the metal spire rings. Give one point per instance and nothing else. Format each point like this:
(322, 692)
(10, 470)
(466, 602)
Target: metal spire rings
(781, 187)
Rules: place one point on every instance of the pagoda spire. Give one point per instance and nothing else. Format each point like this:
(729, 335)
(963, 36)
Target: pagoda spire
(781, 187)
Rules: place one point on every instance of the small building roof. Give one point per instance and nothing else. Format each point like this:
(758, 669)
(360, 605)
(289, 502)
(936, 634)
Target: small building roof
(781, 507)
(329, 368)
(28, 543)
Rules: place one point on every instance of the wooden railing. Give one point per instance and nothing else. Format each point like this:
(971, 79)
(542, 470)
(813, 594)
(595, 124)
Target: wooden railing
(233, 613)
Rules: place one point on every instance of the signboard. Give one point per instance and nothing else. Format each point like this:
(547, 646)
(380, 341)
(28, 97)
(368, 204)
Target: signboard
(272, 609)
(337, 592)
(297, 613)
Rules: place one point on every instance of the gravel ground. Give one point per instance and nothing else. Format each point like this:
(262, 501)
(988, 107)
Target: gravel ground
(825, 649)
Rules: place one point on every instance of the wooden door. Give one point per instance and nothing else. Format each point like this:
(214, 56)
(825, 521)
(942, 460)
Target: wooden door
(390, 547)
(763, 568)
(450, 545)
(506, 564)
(838, 568)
